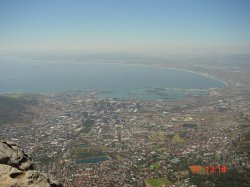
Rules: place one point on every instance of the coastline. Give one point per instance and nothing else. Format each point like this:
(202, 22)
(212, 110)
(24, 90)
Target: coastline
(163, 66)
(159, 66)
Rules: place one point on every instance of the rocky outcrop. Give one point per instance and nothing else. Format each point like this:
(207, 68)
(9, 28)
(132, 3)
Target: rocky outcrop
(16, 169)
(12, 155)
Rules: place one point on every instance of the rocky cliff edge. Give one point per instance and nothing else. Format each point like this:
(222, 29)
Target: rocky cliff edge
(16, 169)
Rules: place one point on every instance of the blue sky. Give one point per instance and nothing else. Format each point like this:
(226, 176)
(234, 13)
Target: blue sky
(139, 26)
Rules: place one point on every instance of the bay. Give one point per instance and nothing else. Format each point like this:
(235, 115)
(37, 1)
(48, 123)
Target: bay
(107, 80)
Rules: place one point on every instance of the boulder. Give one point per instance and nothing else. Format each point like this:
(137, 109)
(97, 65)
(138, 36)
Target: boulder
(16, 169)
(12, 155)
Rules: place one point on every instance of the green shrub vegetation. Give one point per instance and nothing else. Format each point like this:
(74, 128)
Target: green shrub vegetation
(157, 182)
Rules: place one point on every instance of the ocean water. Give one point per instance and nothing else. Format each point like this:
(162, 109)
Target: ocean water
(108, 80)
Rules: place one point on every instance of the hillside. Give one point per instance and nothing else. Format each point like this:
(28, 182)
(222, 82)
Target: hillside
(13, 106)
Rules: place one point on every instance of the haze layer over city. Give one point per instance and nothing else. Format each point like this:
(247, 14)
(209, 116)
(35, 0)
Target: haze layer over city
(125, 93)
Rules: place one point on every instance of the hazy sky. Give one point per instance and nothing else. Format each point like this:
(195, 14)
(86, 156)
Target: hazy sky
(133, 26)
